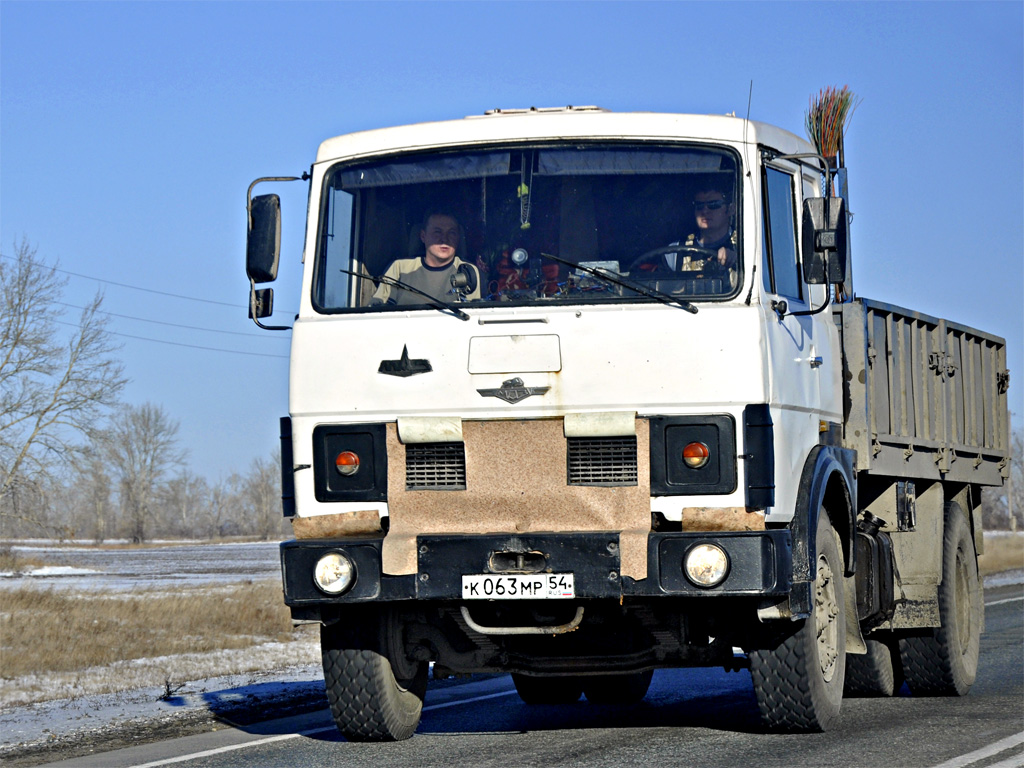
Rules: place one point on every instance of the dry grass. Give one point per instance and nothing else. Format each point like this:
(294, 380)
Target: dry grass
(8, 560)
(1002, 553)
(49, 631)
(12, 562)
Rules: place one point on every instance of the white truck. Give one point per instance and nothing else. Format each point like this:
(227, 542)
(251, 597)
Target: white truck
(606, 450)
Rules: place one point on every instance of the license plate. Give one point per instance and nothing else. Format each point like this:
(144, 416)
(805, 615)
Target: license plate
(539, 586)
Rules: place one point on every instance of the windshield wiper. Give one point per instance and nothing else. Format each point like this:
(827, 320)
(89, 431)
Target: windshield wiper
(609, 277)
(436, 303)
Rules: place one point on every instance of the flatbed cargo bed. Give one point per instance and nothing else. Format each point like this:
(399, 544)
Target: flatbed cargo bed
(923, 397)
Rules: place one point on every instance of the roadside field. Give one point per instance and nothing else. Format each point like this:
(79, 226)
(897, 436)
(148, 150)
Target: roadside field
(62, 644)
(77, 620)
(1004, 551)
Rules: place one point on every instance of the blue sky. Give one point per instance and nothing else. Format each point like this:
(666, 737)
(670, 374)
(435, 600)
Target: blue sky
(129, 133)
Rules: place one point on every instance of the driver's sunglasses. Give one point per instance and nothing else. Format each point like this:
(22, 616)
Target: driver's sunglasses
(711, 205)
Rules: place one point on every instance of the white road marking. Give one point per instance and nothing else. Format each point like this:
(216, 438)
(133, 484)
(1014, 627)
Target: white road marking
(990, 751)
(467, 701)
(233, 747)
(1013, 762)
(311, 732)
(1007, 600)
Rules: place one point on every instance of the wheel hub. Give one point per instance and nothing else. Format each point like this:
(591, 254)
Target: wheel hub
(826, 613)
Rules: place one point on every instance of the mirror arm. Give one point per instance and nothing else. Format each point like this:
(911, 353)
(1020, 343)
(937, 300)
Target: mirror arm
(248, 194)
(824, 166)
(781, 310)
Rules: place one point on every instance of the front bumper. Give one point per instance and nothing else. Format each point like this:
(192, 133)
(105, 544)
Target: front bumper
(760, 565)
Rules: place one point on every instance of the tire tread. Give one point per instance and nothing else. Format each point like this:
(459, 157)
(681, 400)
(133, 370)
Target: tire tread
(929, 661)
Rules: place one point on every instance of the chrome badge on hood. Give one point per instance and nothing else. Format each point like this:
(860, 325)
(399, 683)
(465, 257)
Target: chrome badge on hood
(513, 390)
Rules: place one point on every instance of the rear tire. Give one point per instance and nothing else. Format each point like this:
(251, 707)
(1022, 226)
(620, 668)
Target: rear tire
(944, 660)
(562, 689)
(375, 692)
(617, 689)
(876, 673)
(799, 682)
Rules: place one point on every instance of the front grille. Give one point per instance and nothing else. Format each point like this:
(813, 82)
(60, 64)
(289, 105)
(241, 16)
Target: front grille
(602, 460)
(435, 467)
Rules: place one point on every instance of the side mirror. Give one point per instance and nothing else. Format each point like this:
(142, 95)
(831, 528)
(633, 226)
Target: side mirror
(825, 240)
(263, 244)
(261, 303)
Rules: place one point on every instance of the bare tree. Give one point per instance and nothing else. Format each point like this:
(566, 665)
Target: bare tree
(261, 492)
(184, 504)
(54, 385)
(92, 487)
(222, 511)
(1003, 508)
(143, 447)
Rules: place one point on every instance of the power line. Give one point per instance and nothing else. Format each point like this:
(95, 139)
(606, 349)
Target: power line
(176, 325)
(181, 344)
(139, 288)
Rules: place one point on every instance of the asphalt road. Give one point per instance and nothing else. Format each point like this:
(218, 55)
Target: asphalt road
(703, 718)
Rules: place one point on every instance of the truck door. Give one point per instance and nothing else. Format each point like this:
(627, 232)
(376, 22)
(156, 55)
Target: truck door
(796, 342)
(826, 341)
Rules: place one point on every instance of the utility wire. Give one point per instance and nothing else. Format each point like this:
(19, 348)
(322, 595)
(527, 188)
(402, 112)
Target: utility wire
(180, 344)
(176, 325)
(138, 288)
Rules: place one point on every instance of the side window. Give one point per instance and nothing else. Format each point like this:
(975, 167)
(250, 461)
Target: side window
(332, 285)
(783, 271)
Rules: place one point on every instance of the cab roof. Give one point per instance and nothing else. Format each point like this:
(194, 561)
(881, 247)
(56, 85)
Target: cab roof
(549, 124)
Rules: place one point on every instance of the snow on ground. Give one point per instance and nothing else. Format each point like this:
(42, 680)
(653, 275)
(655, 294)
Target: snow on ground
(145, 572)
(1005, 579)
(48, 570)
(165, 672)
(185, 564)
(37, 709)
(146, 706)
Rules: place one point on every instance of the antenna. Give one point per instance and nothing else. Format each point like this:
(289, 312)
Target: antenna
(746, 122)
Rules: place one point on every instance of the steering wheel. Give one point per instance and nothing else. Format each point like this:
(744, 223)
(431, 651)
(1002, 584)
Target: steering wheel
(707, 255)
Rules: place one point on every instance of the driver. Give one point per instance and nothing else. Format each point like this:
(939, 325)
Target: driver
(433, 271)
(713, 211)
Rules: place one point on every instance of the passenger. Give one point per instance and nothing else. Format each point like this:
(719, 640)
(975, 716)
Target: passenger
(433, 271)
(713, 212)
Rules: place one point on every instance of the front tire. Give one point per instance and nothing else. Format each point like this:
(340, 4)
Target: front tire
(375, 692)
(944, 660)
(799, 682)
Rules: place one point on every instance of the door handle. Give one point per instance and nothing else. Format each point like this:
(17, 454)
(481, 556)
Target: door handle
(815, 361)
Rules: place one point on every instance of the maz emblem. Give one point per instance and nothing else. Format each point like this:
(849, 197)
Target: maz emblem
(513, 390)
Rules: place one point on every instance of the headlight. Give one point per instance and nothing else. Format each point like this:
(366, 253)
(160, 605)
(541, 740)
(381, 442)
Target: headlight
(706, 565)
(334, 573)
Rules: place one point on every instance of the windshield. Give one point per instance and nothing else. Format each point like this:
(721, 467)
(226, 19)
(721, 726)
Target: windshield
(530, 225)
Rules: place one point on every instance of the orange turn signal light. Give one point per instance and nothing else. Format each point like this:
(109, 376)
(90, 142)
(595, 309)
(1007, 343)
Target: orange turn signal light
(696, 455)
(347, 463)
